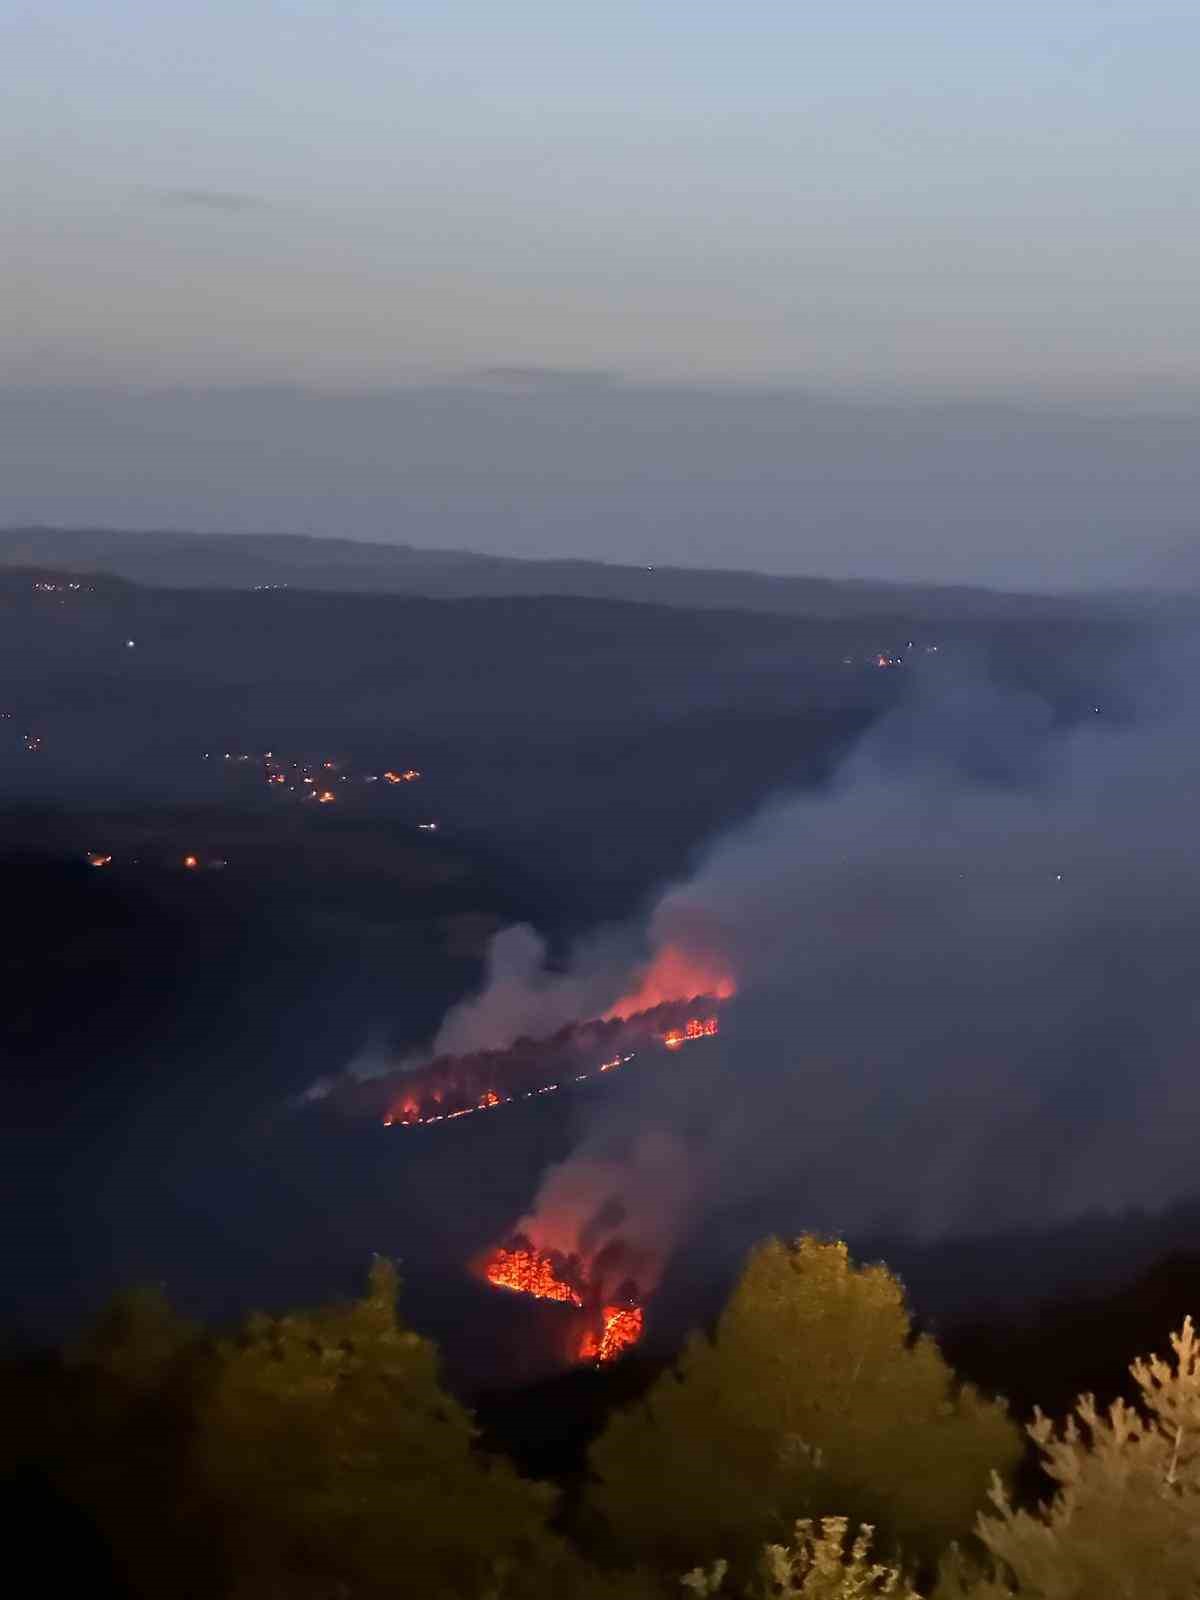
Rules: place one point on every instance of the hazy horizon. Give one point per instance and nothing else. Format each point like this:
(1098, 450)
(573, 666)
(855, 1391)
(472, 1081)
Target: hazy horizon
(536, 465)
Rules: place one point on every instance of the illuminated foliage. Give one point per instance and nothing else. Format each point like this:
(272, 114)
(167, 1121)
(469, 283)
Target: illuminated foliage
(315, 1455)
(1125, 1516)
(335, 1457)
(812, 1398)
(817, 1565)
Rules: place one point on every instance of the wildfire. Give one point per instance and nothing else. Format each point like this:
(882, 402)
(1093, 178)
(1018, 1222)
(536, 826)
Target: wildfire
(675, 974)
(524, 1270)
(694, 1028)
(449, 1087)
(521, 1268)
(622, 1327)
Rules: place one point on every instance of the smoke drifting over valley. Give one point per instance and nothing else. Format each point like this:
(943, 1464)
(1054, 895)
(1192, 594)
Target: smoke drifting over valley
(966, 982)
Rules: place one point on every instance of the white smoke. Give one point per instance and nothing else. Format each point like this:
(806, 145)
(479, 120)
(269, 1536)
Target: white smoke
(635, 1194)
(522, 995)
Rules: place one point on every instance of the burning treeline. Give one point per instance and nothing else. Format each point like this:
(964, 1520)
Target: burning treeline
(670, 1001)
(455, 1086)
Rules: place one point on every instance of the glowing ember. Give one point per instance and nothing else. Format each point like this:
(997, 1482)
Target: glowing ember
(694, 1028)
(622, 1327)
(524, 1270)
(675, 974)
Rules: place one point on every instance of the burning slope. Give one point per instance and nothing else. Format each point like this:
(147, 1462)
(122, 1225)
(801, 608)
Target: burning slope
(602, 1226)
(609, 1330)
(541, 1273)
(457, 1086)
(530, 1032)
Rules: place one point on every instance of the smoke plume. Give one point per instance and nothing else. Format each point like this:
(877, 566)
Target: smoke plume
(967, 977)
(620, 1203)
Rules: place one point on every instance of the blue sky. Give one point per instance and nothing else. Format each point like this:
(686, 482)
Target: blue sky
(897, 196)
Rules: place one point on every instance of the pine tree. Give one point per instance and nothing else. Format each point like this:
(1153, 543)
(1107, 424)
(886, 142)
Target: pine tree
(1124, 1522)
(336, 1463)
(316, 1456)
(812, 1398)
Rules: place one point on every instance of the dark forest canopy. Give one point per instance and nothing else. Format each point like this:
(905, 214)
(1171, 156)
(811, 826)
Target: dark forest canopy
(318, 1452)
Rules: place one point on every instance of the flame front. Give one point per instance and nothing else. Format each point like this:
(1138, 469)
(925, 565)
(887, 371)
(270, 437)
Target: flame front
(547, 1275)
(622, 1328)
(694, 1028)
(450, 1087)
(524, 1270)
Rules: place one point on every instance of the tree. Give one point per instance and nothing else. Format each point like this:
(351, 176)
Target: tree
(314, 1455)
(336, 1463)
(816, 1566)
(1124, 1521)
(107, 1429)
(812, 1398)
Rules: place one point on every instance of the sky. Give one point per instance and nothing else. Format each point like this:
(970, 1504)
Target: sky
(922, 201)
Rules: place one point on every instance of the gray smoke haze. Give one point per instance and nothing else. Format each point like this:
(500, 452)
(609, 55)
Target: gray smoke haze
(520, 995)
(630, 1200)
(968, 983)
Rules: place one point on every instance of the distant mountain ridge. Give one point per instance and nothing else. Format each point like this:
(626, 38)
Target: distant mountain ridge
(184, 560)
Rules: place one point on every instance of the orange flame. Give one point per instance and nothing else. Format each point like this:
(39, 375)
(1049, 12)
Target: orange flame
(674, 974)
(693, 1029)
(623, 1327)
(529, 1271)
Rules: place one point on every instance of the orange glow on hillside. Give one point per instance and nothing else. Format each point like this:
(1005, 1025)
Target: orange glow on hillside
(674, 974)
(191, 862)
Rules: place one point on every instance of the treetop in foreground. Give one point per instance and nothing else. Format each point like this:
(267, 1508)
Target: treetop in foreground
(812, 1398)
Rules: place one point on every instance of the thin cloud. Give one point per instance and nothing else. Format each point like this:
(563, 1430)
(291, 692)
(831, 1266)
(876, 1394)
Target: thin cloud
(211, 199)
(550, 377)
